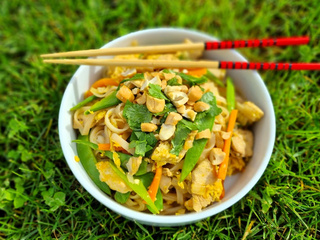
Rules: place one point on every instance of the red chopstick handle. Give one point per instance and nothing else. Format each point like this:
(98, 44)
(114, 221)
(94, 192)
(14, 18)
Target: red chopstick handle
(269, 66)
(257, 43)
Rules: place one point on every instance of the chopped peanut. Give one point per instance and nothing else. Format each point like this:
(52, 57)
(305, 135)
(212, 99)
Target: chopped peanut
(142, 99)
(129, 72)
(148, 127)
(178, 98)
(204, 134)
(190, 114)
(163, 84)
(195, 93)
(125, 94)
(166, 131)
(156, 80)
(173, 118)
(168, 76)
(201, 106)
(155, 105)
(181, 109)
(135, 90)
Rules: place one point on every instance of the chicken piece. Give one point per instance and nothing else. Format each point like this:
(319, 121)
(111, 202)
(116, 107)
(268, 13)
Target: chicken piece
(162, 154)
(204, 134)
(242, 142)
(248, 113)
(198, 202)
(133, 165)
(108, 176)
(125, 94)
(201, 106)
(173, 118)
(165, 183)
(166, 131)
(155, 105)
(148, 127)
(195, 93)
(202, 178)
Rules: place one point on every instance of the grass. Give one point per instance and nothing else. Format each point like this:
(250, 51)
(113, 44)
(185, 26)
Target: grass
(39, 196)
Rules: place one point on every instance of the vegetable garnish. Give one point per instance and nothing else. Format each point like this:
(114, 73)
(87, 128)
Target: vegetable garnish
(153, 188)
(137, 187)
(155, 91)
(198, 72)
(108, 101)
(231, 98)
(83, 103)
(222, 173)
(191, 80)
(142, 142)
(136, 114)
(213, 78)
(181, 134)
(204, 120)
(89, 161)
(104, 82)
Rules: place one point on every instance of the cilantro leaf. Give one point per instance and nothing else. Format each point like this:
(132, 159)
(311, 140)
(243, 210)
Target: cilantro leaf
(135, 114)
(142, 142)
(173, 82)
(180, 136)
(155, 91)
(137, 76)
(205, 119)
(191, 79)
(167, 108)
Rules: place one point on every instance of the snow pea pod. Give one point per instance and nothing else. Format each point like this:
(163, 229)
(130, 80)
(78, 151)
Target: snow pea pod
(231, 96)
(137, 187)
(108, 101)
(124, 158)
(204, 120)
(83, 103)
(88, 162)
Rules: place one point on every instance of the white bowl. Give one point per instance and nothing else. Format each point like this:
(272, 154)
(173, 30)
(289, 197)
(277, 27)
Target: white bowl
(248, 82)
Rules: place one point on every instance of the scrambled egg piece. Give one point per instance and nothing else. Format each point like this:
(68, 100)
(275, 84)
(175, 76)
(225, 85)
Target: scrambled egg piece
(162, 154)
(108, 176)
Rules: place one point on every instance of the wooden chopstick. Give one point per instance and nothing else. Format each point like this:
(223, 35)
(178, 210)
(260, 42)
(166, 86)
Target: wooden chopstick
(213, 45)
(187, 64)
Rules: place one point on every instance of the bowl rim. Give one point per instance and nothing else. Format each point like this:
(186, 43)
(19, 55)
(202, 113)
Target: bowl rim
(163, 220)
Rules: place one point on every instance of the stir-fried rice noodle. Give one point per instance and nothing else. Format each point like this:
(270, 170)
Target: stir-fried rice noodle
(201, 187)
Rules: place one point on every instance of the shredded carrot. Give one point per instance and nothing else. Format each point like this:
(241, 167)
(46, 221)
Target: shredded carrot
(107, 147)
(153, 188)
(87, 94)
(197, 72)
(103, 82)
(104, 146)
(226, 147)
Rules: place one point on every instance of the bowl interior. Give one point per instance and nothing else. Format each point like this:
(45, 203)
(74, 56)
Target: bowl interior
(247, 82)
